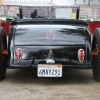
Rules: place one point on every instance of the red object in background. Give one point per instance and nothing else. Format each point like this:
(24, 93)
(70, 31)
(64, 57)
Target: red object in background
(93, 26)
(6, 26)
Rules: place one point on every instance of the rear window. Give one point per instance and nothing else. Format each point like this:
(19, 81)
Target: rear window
(42, 34)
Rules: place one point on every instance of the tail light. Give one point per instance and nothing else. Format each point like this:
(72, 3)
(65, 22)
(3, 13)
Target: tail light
(81, 55)
(18, 54)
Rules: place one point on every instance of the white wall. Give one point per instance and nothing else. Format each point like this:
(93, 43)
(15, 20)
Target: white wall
(91, 1)
(63, 2)
(72, 2)
(47, 2)
(28, 2)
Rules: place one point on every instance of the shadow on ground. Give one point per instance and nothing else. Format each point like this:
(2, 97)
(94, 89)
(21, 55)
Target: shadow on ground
(30, 76)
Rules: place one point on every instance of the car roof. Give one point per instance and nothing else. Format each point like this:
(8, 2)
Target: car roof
(49, 21)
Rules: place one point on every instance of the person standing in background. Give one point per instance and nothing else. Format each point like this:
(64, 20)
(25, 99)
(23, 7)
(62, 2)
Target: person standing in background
(34, 14)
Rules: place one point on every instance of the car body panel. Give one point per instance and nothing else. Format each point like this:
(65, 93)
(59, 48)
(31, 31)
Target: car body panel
(37, 39)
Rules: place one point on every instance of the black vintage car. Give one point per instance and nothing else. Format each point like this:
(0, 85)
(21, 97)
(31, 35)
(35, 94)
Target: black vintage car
(50, 45)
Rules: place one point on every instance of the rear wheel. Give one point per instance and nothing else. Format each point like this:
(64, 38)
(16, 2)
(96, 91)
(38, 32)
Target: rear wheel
(3, 53)
(96, 54)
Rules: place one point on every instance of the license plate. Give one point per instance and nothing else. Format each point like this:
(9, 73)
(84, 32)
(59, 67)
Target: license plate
(49, 70)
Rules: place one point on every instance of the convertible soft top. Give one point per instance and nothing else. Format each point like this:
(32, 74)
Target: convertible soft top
(49, 21)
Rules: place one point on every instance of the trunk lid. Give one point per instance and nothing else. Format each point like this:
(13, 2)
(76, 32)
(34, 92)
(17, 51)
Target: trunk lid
(37, 41)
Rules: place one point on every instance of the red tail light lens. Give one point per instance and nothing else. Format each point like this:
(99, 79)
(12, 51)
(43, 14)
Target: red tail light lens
(18, 54)
(81, 55)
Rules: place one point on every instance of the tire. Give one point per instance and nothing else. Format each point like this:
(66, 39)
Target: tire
(96, 63)
(3, 64)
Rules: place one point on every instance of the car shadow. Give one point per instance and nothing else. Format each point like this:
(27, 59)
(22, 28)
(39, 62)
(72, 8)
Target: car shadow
(69, 77)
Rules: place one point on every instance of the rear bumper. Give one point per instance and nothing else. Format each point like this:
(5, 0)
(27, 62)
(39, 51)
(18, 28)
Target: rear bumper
(89, 66)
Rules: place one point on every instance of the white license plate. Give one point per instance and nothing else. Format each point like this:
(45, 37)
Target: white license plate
(49, 70)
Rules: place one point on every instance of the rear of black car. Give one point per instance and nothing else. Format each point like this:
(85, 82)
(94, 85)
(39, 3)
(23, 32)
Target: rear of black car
(50, 42)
